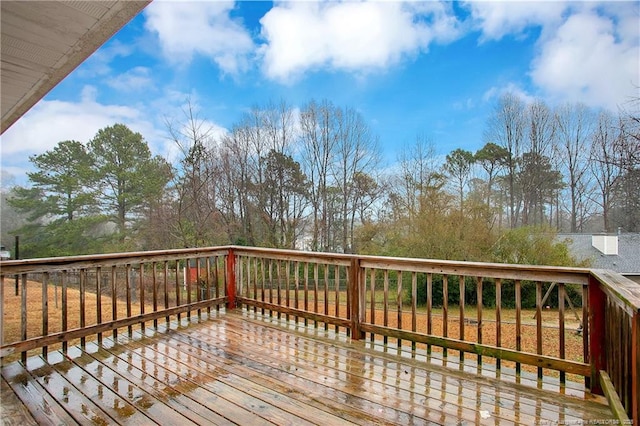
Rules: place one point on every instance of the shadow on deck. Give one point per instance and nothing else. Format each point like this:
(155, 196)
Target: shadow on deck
(240, 367)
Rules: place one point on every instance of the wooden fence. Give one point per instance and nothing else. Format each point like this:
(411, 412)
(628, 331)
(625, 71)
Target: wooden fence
(572, 321)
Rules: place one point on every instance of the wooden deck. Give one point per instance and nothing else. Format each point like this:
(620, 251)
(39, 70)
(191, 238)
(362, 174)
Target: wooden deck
(241, 368)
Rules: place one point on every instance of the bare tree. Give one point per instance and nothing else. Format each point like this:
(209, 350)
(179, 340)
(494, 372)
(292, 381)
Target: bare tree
(418, 172)
(627, 186)
(604, 163)
(318, 143)
(356, 153)
(574, 128)
(195, 180)
(539, 177)
(284, 182)
(235, 184)
(507, 127)
(286, 189)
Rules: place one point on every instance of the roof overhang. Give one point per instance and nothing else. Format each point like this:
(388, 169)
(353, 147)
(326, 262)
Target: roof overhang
(43, 41)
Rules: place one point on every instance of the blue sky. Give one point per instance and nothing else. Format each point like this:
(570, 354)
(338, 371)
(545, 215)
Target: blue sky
(427, 68)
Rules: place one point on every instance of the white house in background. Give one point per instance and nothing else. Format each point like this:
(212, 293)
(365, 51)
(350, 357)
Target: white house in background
(617, 252)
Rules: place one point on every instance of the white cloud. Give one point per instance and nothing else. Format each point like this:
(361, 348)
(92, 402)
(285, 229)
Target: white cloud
(352, 36)
(188, 28)
(134, 80)
(496, 92)
(587, 52)
(51, 122)
(497, 19)
(591, 58)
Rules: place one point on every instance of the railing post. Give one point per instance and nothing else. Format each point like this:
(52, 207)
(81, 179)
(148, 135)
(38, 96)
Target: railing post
(635, 368)
(231, 279)
(357, 299)
(597, 333)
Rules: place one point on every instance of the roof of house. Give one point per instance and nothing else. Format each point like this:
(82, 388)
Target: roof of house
(43, 41)
(627, 261)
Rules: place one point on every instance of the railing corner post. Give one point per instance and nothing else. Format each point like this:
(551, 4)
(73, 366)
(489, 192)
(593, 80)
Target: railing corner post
(597, 333)
(635, 368)
(231, 280)
(357, 299)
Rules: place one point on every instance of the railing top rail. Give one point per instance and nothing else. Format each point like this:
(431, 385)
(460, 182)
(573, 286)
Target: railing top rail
(626, 290)
(9, 267)
(568, 275)
(622, 290)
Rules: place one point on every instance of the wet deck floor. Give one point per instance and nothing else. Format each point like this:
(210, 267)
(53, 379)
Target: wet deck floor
(241, 368)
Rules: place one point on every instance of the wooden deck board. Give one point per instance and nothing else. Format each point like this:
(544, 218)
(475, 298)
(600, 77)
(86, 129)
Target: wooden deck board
(242, 368)
(12, 410)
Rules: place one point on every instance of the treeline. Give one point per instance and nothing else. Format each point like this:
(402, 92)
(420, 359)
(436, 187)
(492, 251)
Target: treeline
(90, 198)
(312, 178)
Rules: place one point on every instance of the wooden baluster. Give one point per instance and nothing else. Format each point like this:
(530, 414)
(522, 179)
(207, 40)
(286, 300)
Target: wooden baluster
(129, 295)
(561, 328)
(336, 284)
(585, 330)
(539, 327)
(518, 290)
(625, 366)
(479, 308)
(445, 310)
(414, 305)
(178, 289)
(279, 279)
(45, 310)
(498, 320)
(306, 290)
(429, 307)
(240, 266)
(141, 292)
(326, 293)
(99, 300)
(399, 305)
(350, 276)
(198, 285)
(23, 313)
(269, 271)
(154, 282)
(287, 273)
(165, 288)
(261, 267)
(356, 295)
(114, 300)
(64, 278)
(462, 289)
(188, 285)
(83, 284)
(315, 291)
(247, 263)
(386, 304)
(372, 284)
(216, 279)
(296, 295)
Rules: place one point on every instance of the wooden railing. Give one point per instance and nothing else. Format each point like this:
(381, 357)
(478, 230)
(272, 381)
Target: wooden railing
(527, 320)
(54, 301)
